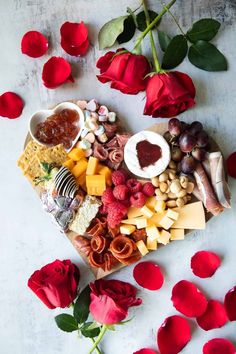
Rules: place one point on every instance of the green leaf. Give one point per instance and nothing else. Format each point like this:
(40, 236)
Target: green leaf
(141, 19)
(89, 332)
(204, 29)
(81, 308)
(129, 30)
(164, 40)
(66, 323)
(207, 57)
(110, 31)
(175, 52)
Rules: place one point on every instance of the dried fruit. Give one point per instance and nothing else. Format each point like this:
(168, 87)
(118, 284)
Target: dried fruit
(11, 105)
(56, 71)
(34, 44)
(218, 346)
(230, 304)
(138, 200)
(148, 275)
(121, 192)
(215, 316)
(204, 263)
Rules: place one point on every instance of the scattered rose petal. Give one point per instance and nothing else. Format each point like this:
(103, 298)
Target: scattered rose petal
(34, 44)
(188, 299)
(215, 316)
(173, 335)
(148, 275)
(56, 71)
(230, 304)
(231, 165)
(74, 38)
(218, 346)
(11, 105)
(204, 263)
(145, 351)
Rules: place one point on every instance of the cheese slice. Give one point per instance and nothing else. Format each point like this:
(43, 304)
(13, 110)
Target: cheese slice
(164, 237)
(151, 244)
(134, 212)
(142, 247)
(176, 234)
(172, 214)
(160, 206)
(191, 216)
(156, 218)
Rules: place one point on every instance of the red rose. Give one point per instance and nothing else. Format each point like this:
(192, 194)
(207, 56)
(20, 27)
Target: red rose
(169, 94)
(111, 299)
(56, 283)
(126, 71)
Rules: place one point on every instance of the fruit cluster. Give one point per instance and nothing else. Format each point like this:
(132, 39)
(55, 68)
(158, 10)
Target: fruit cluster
(124, 193)
(189, 143)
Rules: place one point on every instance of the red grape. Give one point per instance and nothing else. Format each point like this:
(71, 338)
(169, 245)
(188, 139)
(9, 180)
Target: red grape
(188, 164)
(202, 139)
(187, 142)
(195, 127)
(174, 126)
(176, 154)
(199, 154)
(184, 126)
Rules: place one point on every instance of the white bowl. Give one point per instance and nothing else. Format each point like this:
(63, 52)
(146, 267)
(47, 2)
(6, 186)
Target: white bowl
(41, 116)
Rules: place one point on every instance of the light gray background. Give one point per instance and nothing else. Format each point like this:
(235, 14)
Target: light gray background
(29, 239)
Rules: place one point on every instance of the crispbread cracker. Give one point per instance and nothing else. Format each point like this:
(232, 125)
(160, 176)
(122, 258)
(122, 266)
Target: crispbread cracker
(34, 169)
(55, 154)
(31, 149)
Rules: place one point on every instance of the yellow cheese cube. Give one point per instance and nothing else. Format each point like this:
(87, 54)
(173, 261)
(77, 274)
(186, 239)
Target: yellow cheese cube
(92, 166)
(151, 202)
(156, 218)
(79, 168)
(142, 247)
(69, 164)
(76, 154)
(172, 214)
(160, 206)
(152, 232)
(81, 180)
(164, 237)
(127, 229)
(141, 223)
(134, 212)
(176, 234)
(151, 244)
(146, 211)
(132, 221)
(166, 222)
(106, 171)
(95, 184)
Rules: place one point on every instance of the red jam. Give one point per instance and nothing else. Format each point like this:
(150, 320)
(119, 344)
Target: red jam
(148, 153)
(59, 128)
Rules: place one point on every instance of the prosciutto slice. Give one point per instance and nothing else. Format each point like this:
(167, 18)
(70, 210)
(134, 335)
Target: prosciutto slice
(100, 152)
(207, 193)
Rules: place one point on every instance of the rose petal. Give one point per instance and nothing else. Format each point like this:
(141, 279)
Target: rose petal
(145, 351)
(204, 263)
(215, 316)
(56, 71)
(74, 34)
(148, 275)
(11, 105)
(173, 335)
(34, 44)
(231, 165)
(230, 304)
(188, 299)
(218, 346)
(75, 51)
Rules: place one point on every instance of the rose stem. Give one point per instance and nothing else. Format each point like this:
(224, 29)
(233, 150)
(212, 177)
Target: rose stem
(153, 23)
(175, 20)
(97, 348)
(99, 338)
(154, 50)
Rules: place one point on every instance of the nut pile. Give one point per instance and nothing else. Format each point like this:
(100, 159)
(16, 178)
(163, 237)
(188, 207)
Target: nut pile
(173, 189)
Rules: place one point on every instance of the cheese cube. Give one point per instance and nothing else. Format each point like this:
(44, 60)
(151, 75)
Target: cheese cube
(176, 234)
(191, 216)
(76, 154)
(95, 184)
(172, 214)
(106, 171)
(79, 168)
(132, 221)
(156, 218)
(151, 202)
(81, 180)
(134, 212)
(166, 222)
(92, 166)
(127, 229)
(151, 244)
(146, 211)
(69, 164)
(141, 223)
(160, 206)
(152, 232)
(142, 247)
(164, 237)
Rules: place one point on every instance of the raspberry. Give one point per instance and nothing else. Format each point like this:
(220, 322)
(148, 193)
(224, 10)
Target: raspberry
(108, 197)
(148, 189)
(134, 185)
(121, 192)
(138, 200)
(118, 177)
(126, 202)
(116, 213)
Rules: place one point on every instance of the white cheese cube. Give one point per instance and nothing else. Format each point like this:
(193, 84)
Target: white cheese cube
(146, 211)
(152, 232)
(141, 223)
(142, 247)
(160, 206)
(166, 222)
(127, 229)
(164, 237)
(176, 234)
(134, 212)
(172, 214)
(129, 221)
(151, 244)
(156, 218)
(151, 202)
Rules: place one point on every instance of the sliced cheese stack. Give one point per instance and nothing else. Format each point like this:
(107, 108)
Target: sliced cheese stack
(161, 225)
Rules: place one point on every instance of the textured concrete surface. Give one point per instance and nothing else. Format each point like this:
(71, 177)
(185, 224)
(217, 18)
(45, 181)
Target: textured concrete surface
(29, 239)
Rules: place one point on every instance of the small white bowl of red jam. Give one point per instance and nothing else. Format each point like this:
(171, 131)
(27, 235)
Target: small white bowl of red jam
(61, 125)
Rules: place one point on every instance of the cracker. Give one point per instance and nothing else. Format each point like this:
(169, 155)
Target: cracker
(55, 154)
(31, 149)
(34, 169)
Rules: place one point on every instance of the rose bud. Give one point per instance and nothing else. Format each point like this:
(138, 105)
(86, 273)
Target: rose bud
(126, 71)
(56, 283)
(169, 94)
(111, 299)
(74, 38)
